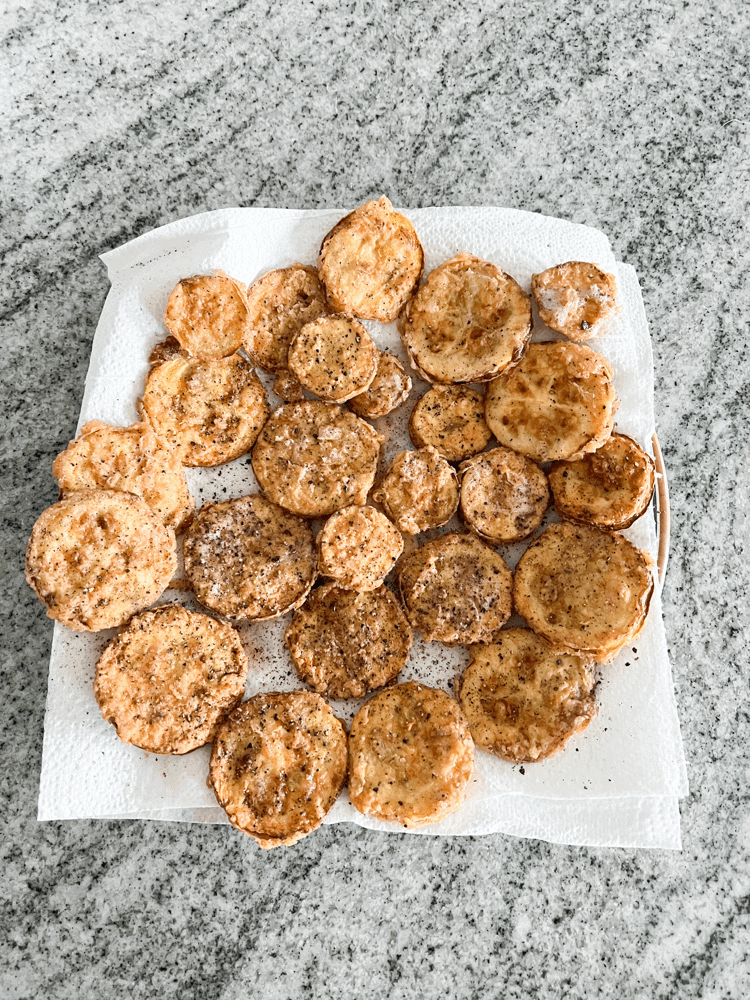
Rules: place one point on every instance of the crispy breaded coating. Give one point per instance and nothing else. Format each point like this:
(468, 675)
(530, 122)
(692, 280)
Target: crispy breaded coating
(358, 547)
(419, 491)
(387, 391)
(334, 357)
(504, 495)
(575, 299)
(451, 419)
(287, 386)
(207, 314)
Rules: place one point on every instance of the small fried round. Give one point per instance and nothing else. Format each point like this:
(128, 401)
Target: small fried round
(410, 756)
(209, 412)
(248, 559)
(584, 589)
(278, 764)
(207, 314)
(504, 495)
(456, 590)
(558, 403)
(610, 488)
(166, 681)
(451, 419)
(97, 557)
(419, 491)
(468, 322)
(358, 547)
(334, 357)
(523, 698)
(371, 262)
(575, 299)
(387, 391)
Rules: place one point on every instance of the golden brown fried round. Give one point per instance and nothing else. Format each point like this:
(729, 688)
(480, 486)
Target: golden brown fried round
(558, 404)
(523, 698)
(132, 459)
(610, 488)
(456, 589)
(248, 559)
(279, 304)
(334, 357)
(167, 680)
(358, 547)
(575, 299)
(468, 322)
(97, 557)
(313, 458)
(419, 491)
(387, 391)
(504, 495)
(410, 756)
(371, 262)
(278, 764)
(209, 412)
(345, 644)
(208, 315)
(584, 589)
(451, 419)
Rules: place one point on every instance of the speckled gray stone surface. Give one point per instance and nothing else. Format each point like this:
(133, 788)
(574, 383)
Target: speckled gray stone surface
(629, 117)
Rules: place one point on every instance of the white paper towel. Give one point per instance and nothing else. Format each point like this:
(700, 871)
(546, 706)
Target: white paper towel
(617, 784)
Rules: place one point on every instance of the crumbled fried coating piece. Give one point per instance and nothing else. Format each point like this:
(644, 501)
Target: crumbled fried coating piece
(97, 557)
(387, 391)
(358, 547)
(334, 357)
(278, 764)
(504, 495)
(410, 756)
(166, 681)
(207, 314)
(419, 491)
(524, 698)
(287, 386)
(575, 299)
(451, 419)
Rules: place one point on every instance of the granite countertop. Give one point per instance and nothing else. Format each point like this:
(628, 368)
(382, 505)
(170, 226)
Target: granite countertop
(630, 118)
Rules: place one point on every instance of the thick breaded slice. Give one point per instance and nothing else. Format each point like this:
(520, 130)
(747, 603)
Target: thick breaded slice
(279, 304)
(208, 315)
(387, 391)
(132, 459)
(249, 559)
(345, 644)
(575, 299)
(314, 458)
(278, 764)
(584, 589)
(610, 488)
(97, 557)
(524, 698)
(456, 590)
(450, 418)
(334, 357)
(358, 547)
(166, 681)
(468, 322)
(504, 495)
(410, 756)
(558, 403)
(209, 412)
(419, 491)
(371, 262)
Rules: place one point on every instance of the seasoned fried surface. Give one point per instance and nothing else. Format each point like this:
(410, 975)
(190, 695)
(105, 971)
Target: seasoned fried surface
(451, 419)
(287, 386)
(358, 547)
(97, 557)
(334, 357)
(249, 559)
(345, 644)
(314, 458)
(419, 491)
(467, 323)
(209, 412)
(371, 262)
(410, 756)
(166, 681)
(575, 298)
(208, 315)
(278, 764)
(387, 391)
(504, 495)
(584, 589)
(558, 403)
(456, 589)
(523, 698)
(132, 459)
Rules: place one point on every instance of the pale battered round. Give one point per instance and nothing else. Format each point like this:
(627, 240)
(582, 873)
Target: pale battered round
(451, 419)
(504, 495)
(456, 590)
(334, 357)
(209, 412)
(248, 559)
(411, 756)
(558, 403)
(524, 698)
(278, 764)
(345, 644)
(166, 681)
(208, 315)
(358, 547)
(575, 299)
(387, 391)
(371, 262)
(419, 491)
(610, 488)
(584, 589)
(97, 557)
(313, 458)
(468, 322)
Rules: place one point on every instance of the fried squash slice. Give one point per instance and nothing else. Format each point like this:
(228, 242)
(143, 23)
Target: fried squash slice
(575, 299)
(334, 357)
(450, 418)
(504, 495)
(358, 547)
(207, 314)
(419, 491)
(387, 391)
